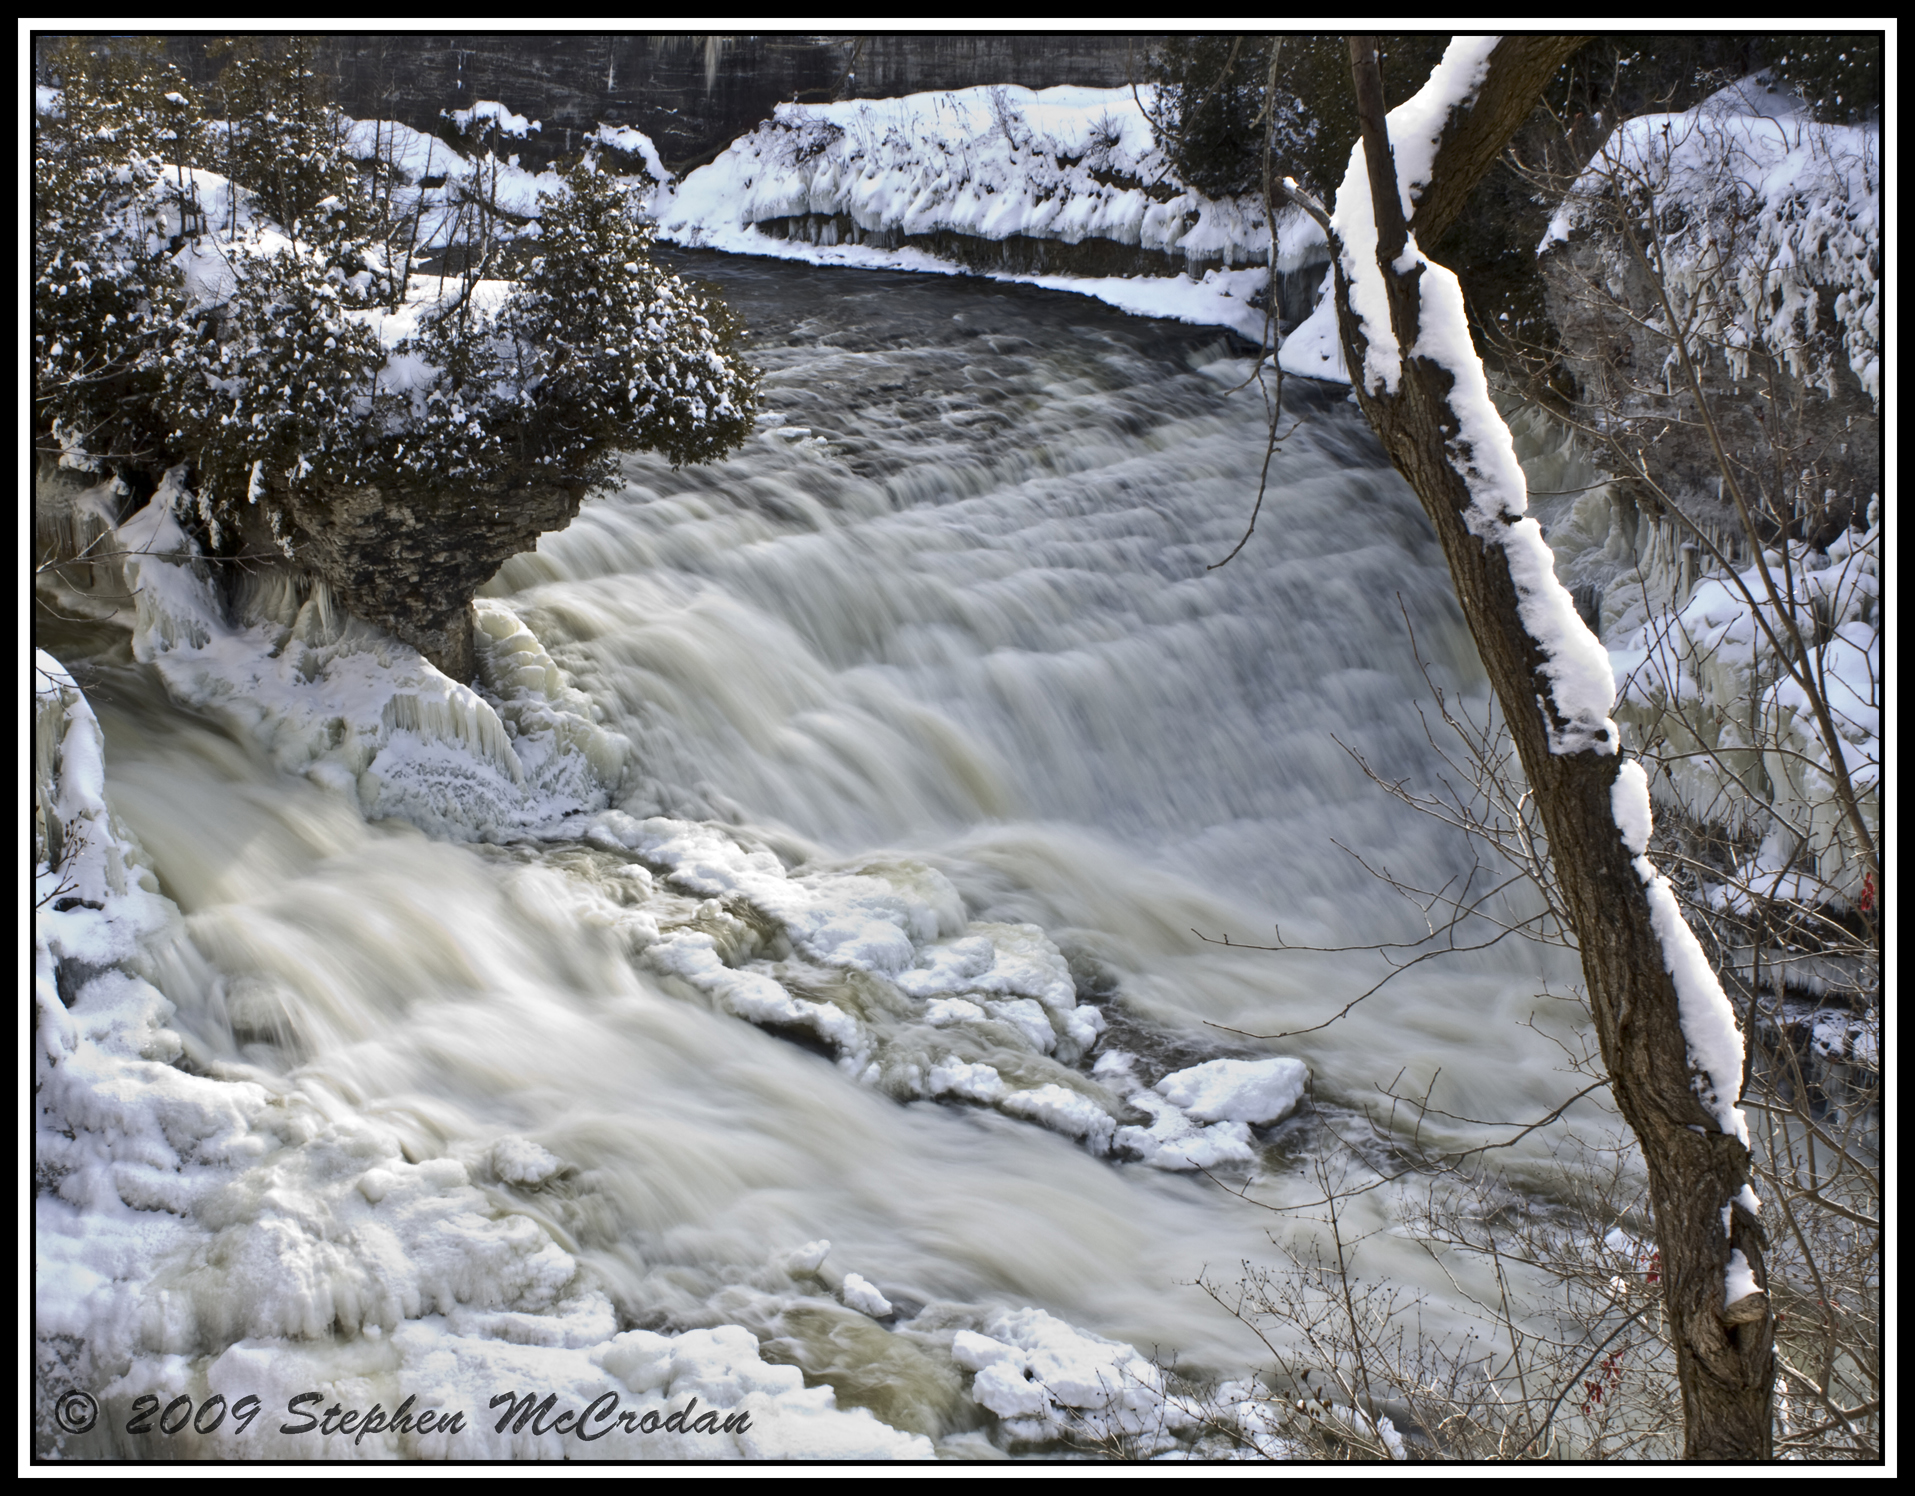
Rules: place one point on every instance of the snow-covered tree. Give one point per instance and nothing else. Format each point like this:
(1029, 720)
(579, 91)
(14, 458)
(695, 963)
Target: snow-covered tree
(99, 250)
(280, 134)
(254, 319)
(1669, 1037)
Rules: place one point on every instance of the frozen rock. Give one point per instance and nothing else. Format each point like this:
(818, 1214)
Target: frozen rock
(1249, 1091)
(861, 1295)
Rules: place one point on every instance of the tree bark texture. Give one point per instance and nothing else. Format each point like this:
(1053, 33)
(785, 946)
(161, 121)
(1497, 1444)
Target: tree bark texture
(1695, 1169)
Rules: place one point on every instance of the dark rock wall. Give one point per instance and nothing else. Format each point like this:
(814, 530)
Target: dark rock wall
(888, 65)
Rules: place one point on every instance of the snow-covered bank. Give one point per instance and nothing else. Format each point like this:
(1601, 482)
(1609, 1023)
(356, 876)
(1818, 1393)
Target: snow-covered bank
(888, 181)
(1794, 205)
(1063, 188)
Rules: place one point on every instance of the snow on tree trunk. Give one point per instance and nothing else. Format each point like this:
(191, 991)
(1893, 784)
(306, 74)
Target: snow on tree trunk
(1669, 1037)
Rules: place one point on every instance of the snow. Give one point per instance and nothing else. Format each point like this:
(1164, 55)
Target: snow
(1794, 205)
(1252, 1091)
(490, 111)
(508, 186)
(1201, 1116)
(807, 1258)
(861, 1295)
(1043, 1376)
(927, 1003)
(1065, 163)
(1629, 803)
(334, 1263)
(1708, 1022)
(1048, 1380)
(411, 153)
(1416, 126)
(1582, 686)
(521, 1161)
(100, 902)
(1070, 164)
(1314, 348)
(1738, 1279)
(1482, 452)
(627, 141)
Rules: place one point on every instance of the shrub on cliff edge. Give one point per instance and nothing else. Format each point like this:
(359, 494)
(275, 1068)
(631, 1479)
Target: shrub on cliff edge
(177, 319)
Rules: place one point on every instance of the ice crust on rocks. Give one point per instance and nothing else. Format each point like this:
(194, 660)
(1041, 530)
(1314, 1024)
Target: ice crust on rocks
(354, 710)
(1252, 1091)
(860, 1294)
(1046, 1380)
(1201, 1116)
(929, 1003)
(1035, 1371)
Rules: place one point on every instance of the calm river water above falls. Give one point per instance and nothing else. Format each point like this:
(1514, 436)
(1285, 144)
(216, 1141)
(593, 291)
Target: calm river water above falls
(945, 619)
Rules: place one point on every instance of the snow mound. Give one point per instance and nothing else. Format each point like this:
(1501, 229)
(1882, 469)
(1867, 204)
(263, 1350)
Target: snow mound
(1252, 1091)
(860, 1294)
(1044, 1378)
(1201, 1117)
(492, 113)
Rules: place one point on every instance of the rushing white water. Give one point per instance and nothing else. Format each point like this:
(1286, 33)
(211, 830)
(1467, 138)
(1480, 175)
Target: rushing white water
(940, 649)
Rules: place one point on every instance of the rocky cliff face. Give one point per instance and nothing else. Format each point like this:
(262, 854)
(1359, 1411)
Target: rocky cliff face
(411, 560)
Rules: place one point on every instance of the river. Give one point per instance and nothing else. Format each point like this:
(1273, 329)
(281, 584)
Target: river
(944, 628)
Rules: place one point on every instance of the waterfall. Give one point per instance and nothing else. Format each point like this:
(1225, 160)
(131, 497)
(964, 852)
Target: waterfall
(900, 777)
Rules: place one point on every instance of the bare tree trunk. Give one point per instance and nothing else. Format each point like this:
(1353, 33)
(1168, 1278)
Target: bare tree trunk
(1696, 1171)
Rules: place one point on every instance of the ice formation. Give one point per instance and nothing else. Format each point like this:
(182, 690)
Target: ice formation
(354, 710)
(1039, 1374)
(1715, 660)
(1201, 1116)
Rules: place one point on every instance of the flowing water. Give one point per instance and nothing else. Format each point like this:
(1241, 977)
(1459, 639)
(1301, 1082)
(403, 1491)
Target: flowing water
(945, 621)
